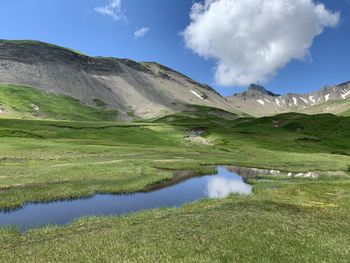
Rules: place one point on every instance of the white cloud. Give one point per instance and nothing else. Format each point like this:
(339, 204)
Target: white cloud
(252, 39)
(113, 9)
(140, 33)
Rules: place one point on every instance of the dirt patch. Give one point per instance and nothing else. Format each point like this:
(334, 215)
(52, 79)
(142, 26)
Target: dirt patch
(195, 136)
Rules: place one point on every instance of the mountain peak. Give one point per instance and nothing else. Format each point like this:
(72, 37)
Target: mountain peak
(253, 88)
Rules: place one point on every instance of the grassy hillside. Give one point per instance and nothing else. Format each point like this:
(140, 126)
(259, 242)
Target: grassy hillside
(197, 114)
(298, 132)
(39, 43)
(26, 102)
(288, 220)
(346, 113)
(292, 132)
(338, 107)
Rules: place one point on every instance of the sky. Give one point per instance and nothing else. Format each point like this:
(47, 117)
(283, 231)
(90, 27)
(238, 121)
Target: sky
(285, 45)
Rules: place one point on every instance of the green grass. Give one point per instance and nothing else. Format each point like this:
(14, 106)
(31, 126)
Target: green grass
(346, 113)
(340, 107)
(198, 114)
(296, 220)
(39, 43)
(300, 221)
(299, 133)
(100, 103)
(47, 160)
(22, 102)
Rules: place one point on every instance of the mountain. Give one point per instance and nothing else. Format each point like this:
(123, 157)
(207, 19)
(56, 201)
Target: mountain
(257, 91)
(140, 90)
(258, 101)
(47, 81)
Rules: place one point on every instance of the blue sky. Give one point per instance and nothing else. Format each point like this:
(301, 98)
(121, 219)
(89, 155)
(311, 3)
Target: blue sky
(77, 25)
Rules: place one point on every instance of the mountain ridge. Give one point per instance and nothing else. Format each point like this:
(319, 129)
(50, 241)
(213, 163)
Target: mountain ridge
(265, 102)
(144, 90)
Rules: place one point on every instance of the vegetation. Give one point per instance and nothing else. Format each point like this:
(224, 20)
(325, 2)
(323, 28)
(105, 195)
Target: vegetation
(100, 103)
(290, 220)
(346, 113)
(297, 221)
(26, 102)
(36, 43)
(47, 160)
(340, 107)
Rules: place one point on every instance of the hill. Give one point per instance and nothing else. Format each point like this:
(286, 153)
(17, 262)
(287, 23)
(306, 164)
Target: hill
(137, 90)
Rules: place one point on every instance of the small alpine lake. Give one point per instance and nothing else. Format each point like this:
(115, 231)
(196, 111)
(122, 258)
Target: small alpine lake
(171, 193)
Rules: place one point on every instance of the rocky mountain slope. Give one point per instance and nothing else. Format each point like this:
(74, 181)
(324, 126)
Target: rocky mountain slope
(128, 89)
(258, 101)
(133, 89)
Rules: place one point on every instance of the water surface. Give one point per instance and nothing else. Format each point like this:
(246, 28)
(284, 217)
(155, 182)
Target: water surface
(219, 185)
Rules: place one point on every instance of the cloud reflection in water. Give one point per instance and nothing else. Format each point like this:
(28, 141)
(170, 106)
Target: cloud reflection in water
(223, 187)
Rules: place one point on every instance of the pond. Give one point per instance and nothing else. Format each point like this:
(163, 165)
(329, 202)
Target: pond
(172, 193)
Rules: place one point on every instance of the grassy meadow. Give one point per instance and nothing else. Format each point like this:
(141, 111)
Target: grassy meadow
(31, 103)
(286, 220)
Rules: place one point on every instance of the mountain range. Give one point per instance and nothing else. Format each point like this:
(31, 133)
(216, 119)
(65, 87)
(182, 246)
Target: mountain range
(143, 90)
(258, 101)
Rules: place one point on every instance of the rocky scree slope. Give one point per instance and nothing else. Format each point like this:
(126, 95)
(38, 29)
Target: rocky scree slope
(142, 90)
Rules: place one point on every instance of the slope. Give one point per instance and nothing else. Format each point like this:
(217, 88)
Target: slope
(25, 102)
(139, 89)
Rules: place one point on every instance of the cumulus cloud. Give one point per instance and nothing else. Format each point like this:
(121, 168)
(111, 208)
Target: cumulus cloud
(141, 32)
(252, 39)
(112, 9)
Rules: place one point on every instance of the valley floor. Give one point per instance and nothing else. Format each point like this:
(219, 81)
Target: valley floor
(289, 220)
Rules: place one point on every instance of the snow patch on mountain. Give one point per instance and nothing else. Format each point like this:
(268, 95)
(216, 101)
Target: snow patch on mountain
(295, 101)
(261, 102)
(278, 103)
(196, 94)
(304, 100)
(345, 95)
(327, 97)
(312, 99)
